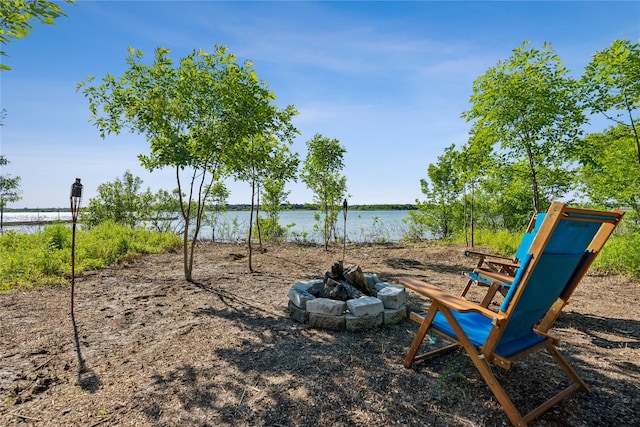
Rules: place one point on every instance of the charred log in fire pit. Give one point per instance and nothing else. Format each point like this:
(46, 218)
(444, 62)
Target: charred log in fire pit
(344, 284)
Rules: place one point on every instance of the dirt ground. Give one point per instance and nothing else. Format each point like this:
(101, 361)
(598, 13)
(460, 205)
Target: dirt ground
(150, 349)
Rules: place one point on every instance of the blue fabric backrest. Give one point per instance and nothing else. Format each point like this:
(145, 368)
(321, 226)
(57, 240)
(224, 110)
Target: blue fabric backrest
(524, 263)
(556, 266)
(528, 237)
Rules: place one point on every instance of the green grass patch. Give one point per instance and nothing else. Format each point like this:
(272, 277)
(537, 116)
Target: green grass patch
(499, 242)
(620, 255)
(28, 260)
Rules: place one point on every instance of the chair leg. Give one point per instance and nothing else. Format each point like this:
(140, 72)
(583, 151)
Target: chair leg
(576, 384)
(467, 287)
(490, 379)
(564, 365)
(485, 371)
(415, 345)
(471, 281)
(491, 293)
(417, 340)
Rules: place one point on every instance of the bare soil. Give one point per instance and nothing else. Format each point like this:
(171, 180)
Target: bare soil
(148, 348)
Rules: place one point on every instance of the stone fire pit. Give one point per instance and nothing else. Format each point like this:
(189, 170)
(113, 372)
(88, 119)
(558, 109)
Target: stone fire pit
(347, 299)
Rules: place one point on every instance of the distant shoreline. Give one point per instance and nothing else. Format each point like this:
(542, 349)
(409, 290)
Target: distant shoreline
(245, 207)
(35, 222)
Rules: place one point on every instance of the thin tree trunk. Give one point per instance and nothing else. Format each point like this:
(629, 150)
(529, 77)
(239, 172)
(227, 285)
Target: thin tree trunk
(473, 219)
(186, 213)
(464, 215)
(633, 126)
(253, 190)
(534, 180)
(258, 219)
(199, 212)
(326, 228)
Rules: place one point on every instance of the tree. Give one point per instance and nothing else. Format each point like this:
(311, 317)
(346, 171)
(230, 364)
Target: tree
(262, 155)
(528, 106)
(610, 175)
(218, 194)
(193, 114)
(611, 85)
(321, 173)
(442, 191)
(9, 189)
(505, 197)
(16, 18)
(472, 164)
(121, 201)
(283, 167)
(162, 209)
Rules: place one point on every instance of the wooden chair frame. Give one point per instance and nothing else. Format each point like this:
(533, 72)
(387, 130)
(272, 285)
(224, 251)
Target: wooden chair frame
(484, 355)
(494, 271)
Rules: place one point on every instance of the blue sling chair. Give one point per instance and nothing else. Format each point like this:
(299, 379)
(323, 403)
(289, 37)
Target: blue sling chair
(488, 264)
(559, 256)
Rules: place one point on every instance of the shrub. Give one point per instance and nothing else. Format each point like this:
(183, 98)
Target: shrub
(44, 258)
(620, 255)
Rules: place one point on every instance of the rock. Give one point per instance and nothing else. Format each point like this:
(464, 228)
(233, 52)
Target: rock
(393, 297)
(365, 306)
(300, 293)
(326, 306)
(323, 321)
(392, 317)
(363, 323)
(298, 314)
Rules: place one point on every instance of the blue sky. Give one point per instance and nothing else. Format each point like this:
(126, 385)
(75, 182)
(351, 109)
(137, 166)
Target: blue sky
(388, 79)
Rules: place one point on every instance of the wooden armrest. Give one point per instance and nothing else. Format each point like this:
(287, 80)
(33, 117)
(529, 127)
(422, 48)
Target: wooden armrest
(494, 275)
(485, 255)
(510, 264)
(447, 299)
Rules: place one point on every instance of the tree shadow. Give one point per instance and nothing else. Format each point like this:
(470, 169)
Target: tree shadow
(404, 263)
(292, 374)
(604, 332)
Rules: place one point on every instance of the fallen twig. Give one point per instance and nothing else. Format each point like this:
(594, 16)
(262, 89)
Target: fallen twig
(24, 416)
(46, 362)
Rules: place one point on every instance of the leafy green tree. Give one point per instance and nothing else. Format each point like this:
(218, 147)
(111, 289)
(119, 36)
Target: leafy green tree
(611, 84)
(416, 222)
(442, 191)
(610, 175)
(504, 198)
(163, 207)
(9, 189)
(283, 168)
(218, 194)
(16, 17)
(528, 106)
(121, 201)
(258, 158)
(472, 164)
(321, 172)
(193, 114)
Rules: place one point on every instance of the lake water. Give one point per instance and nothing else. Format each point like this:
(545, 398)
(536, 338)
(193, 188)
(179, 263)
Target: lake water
(362, 226)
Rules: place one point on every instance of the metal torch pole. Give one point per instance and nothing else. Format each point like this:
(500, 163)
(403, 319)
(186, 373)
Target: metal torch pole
(76, 196)
(345, 207)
